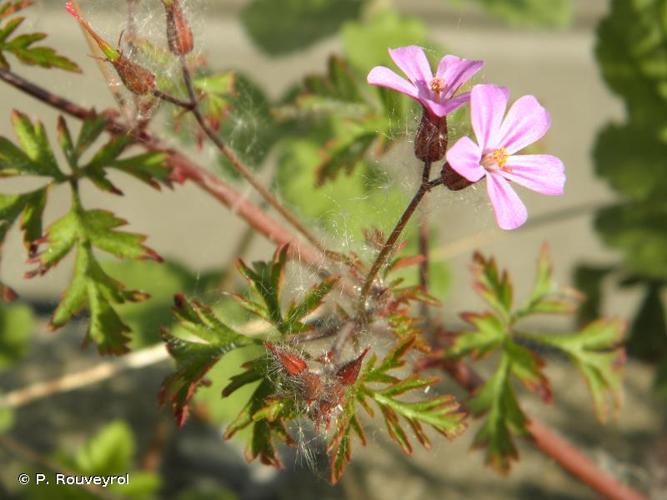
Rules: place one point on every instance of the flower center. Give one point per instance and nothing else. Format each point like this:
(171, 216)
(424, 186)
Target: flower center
(437, 86)
(495, 160)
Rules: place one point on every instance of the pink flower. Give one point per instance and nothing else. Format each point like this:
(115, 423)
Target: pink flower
(435, 93)
(499, 137)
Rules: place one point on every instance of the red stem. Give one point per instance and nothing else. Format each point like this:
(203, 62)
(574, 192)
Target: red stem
(551, 444)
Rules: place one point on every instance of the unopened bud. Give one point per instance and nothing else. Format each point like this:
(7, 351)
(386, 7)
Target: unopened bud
(453, 180)
(431, 138)
(179, 33)
(135, 77)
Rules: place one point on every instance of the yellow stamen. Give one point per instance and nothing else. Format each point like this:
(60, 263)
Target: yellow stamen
(437, 86)
(496, 160)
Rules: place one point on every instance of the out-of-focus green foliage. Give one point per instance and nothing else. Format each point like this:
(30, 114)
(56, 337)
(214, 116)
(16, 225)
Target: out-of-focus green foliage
(281, 27)
(632, 157)
(110, 452)
(16, 325)
(541, 13)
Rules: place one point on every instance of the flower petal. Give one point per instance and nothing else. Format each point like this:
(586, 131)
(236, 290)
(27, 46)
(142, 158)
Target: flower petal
(454, 103)
(542, 173)
(487, 108)
(384, 77)
(510, 210)
(413, 63)
(526, 122)
(456, 71)
(464, 157)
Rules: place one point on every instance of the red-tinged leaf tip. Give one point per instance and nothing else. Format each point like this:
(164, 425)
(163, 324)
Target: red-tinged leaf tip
(69, 6)
(153, 255)
(349, 372)
(292, 363)
(8, 294)
(179, 300)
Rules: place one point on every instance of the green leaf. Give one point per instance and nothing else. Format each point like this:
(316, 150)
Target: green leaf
(496, 399)
(22, 46)
(365, 43)
(555, 13)
(35, 157)
(211, 339)
(488, 335)
(648, 333)
(494, 287)
(16, 325)
(589, 280)
(632, 52)
(91, 287)
(282, 27)
(266, 278)
(311, 301)
(249, 128)
(597, 353)
(546, 298)
(110, 451)
(345, 206)
(633, 160)
(638, 230)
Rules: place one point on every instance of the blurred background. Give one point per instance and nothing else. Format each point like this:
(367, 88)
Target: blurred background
(599, 66)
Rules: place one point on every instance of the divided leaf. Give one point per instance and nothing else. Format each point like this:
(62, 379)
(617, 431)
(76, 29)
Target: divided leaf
(496, 399)
(599, 355)
(441, 413)
(266, 279)
(492, 285)
(207, 340)
(91, 287)
(23, 46)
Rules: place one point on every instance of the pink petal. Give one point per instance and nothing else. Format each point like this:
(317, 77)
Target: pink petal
(456, 71)
(413, 63)
(464, 157)
(526, 122)
(487, 108)
(510, 210)
(384, 77)
(542, 173)
(454, 103)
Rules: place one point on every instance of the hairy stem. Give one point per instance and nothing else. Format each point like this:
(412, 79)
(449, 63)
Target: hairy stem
(390, 244)
(423, 240)
(238, 165)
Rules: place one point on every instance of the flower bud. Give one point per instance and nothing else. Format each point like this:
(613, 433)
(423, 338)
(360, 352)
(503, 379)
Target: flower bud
(453, 180)
(431, 138)
(179, 33)
(135, 77)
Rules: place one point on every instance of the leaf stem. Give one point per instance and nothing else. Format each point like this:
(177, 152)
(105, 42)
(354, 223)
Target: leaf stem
(235, 161)
(388, 247)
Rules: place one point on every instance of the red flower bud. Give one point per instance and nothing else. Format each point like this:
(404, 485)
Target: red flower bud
(453, 180)
(348, 373)
(179, 33)
(431, 138)
(292, 363)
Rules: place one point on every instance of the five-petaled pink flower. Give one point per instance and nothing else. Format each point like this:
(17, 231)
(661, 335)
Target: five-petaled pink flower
(435, 93)
(499, 137)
